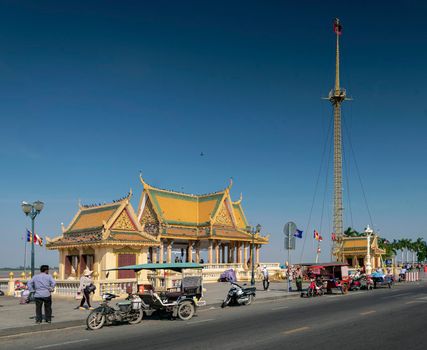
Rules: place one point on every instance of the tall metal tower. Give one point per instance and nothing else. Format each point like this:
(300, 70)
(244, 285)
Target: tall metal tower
(336, 97)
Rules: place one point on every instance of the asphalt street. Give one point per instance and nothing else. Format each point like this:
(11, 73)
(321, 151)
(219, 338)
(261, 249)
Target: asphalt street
(384, 318)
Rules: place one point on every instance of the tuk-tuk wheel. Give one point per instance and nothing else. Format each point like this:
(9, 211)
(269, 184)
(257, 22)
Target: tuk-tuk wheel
(186, 310)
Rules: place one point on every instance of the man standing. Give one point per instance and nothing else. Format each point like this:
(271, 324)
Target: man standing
(42, 285)
(265, 278)
(298, 278)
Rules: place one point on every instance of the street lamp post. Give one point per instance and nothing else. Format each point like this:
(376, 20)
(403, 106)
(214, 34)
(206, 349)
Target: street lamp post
(368, 267)
(32, 210)
(253, 231)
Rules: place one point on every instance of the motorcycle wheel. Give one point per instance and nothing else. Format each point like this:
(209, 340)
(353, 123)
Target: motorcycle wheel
(136, 316)
(186, 310)
(250, 299)
(225, 302)
(95, 320)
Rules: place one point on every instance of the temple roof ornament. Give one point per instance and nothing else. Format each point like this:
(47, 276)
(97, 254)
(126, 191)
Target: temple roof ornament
(102, 223)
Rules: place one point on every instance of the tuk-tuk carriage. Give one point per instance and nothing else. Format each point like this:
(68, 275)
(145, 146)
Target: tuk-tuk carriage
(334, 275)
(381, 280)
(178, 300)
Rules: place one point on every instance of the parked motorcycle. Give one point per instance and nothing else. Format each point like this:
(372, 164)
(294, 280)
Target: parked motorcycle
(238, 295)
(315, 288)
(130, 310)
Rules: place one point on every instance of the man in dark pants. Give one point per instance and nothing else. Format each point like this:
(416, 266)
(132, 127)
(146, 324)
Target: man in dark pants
(42, 285)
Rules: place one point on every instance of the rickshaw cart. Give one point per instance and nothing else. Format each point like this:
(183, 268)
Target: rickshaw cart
(181, 300)
(334, 275)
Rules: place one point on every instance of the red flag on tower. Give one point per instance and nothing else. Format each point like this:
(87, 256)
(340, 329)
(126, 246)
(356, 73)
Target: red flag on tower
(337, 26)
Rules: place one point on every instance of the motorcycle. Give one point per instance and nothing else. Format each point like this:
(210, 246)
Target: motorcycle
(315, 288)
(238, 295)
(130, 310)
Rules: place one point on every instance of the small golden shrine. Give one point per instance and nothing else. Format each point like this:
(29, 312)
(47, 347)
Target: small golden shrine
(354, 250)
(192, 223)
(101, 237)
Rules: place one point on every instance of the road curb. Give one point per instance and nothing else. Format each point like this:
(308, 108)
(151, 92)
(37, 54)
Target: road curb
(74, 323)
(40, 328)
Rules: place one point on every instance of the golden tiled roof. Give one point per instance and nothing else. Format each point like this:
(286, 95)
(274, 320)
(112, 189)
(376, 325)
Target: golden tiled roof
(93, 217)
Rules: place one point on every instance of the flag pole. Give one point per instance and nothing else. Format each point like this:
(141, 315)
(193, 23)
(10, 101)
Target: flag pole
(25, 254)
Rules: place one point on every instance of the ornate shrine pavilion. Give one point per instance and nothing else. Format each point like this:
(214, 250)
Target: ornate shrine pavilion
(111, 235)
(354, 251)
(192, 223)
(102, 237)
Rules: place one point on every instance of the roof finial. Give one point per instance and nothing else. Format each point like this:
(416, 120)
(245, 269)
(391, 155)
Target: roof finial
(231, 183)
(80, 204)
(141, 179)
(130, 194)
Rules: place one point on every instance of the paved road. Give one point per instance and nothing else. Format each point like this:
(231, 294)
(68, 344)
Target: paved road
(384, 318)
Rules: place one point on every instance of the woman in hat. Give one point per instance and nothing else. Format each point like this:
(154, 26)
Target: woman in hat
(84, 289)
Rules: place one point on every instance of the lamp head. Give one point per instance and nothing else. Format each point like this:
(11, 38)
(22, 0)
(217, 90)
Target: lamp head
(38, 206)
(258, 228)
(26, 208)
(248, 228)
(368, 230)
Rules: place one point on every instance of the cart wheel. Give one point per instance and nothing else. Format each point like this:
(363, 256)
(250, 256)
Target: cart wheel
(95, 320)
(136, 316)
(186, 310)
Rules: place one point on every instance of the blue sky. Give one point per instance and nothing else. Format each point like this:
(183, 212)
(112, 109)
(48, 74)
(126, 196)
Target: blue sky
(93, 92)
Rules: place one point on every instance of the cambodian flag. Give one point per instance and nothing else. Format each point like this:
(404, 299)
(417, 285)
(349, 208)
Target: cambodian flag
(337, 26)
(298, 234)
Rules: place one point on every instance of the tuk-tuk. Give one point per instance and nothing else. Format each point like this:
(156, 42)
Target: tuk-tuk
(334, 275)
(180, 299)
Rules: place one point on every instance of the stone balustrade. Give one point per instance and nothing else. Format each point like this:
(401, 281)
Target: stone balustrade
(160, 279)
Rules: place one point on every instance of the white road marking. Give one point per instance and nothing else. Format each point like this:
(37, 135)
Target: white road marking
(280, 308)
(296, 330)
(395, 295)
(368, 312)
(59, 344)
(201, 321)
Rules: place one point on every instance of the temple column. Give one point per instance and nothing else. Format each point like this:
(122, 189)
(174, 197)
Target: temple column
(354, 261)
(161, 252)
(245, 254)
(229, 253)
(257, 253)
(223, 253)
(239, 252)
(169, 251)
(197, 252)
(190, 252)
(210, 248)
(233, 252)
(61, 264)
(217, 247)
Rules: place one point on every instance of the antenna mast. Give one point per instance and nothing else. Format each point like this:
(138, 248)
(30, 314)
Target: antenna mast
(336, 97)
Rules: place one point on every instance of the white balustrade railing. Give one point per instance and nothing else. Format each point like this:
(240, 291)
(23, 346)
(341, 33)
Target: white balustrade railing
(119, 287)
(66, 288)
(4, 286)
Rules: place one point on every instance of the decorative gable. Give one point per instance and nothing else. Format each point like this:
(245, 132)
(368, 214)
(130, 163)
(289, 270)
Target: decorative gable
(223, 217)
(124, 223)
(149, 216)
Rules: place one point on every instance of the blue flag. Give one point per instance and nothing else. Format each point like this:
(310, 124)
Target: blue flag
(298, 234)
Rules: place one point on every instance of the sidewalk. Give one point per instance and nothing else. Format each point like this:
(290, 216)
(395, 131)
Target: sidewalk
(16, 318)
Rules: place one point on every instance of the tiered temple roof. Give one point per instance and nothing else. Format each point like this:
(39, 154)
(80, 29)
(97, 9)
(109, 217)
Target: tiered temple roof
(180, 215)
(104, 224)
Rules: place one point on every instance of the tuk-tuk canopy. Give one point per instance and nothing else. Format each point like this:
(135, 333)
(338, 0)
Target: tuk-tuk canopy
(178, 267)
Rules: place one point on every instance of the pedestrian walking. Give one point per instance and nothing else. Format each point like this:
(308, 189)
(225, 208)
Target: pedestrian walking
(298, 278)
(85, 288)
(265, 278)
(42, 285)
